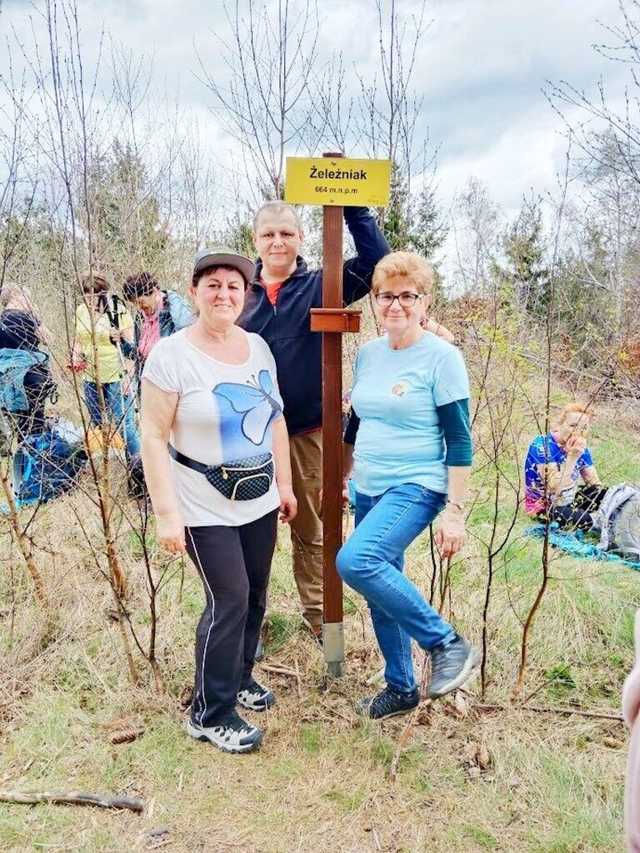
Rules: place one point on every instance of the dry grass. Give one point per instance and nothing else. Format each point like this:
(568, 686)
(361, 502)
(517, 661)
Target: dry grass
(509, 780)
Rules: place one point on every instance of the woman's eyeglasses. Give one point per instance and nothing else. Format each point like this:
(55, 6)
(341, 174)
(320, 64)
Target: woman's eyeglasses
(406, 300)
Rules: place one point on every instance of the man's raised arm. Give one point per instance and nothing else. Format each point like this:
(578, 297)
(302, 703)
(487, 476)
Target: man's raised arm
(370, 247)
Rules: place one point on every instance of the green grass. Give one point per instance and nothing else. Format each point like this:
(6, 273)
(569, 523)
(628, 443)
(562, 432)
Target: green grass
(484, 839)
(279, 629)
(321, 780)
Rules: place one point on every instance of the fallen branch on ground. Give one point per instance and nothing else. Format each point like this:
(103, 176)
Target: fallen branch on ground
(540, 709)
(279, 669)
(73, 798)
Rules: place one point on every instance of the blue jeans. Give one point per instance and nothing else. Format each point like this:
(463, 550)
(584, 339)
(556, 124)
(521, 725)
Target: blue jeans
(372, 561)
(114, 401)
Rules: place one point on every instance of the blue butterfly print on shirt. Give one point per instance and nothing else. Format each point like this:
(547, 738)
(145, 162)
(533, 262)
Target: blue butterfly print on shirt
(254, 401)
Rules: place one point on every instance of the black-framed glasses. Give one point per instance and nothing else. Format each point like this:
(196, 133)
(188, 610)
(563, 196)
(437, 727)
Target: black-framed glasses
(405, 300)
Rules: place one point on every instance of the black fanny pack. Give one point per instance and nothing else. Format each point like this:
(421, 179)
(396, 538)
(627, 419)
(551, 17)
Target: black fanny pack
(242, 480)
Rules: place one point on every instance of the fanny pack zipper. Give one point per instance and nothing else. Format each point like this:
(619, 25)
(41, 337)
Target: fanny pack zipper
(226, 468)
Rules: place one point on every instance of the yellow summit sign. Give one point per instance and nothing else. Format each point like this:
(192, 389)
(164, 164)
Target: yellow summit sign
(337, 181)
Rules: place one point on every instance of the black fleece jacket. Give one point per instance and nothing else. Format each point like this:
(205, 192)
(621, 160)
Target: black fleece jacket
(286, 326)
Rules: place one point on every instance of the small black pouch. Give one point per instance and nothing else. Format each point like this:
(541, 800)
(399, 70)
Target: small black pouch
(241, 480)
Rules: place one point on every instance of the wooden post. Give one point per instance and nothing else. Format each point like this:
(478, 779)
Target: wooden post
(333, 634)
(332, 320)
(360, 183)
(331, 324)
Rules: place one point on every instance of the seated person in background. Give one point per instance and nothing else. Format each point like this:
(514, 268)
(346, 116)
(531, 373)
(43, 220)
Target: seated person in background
(21, 329)
(553, 465)
(159, 313)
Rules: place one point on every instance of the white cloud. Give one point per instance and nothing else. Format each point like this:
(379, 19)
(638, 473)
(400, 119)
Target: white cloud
(527, 154)
(480, 67)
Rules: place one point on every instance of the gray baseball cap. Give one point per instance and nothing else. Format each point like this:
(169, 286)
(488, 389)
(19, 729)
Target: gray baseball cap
(221, 257)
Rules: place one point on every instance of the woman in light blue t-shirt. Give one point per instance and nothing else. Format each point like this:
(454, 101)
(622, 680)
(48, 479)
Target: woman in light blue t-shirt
(411, 460)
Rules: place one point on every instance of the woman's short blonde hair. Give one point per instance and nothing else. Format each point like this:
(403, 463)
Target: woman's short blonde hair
(414, 268)
(571, 408)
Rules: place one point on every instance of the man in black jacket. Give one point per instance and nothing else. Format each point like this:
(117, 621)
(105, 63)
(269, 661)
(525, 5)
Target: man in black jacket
(277, 307)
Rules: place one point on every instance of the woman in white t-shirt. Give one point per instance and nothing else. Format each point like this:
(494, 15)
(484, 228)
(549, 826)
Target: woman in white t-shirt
(216, 459)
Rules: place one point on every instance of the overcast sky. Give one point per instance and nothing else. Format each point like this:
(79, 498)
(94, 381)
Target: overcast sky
(482, 66)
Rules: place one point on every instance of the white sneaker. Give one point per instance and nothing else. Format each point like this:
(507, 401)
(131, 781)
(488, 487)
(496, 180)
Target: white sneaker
(255, 697)
(231, 734)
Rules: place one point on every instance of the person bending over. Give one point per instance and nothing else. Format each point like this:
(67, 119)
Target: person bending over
(411, 463)
(554, 464)
(22, 330)
(158, 314)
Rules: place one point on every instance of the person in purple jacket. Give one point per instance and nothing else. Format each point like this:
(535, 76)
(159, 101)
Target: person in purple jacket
(277, 307)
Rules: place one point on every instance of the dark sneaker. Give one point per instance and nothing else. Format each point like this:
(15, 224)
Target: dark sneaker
(451, 666)
(231, 734)
(387, 703)
(255, 697)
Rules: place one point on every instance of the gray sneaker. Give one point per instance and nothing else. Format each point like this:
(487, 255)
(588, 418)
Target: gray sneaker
(451, 666)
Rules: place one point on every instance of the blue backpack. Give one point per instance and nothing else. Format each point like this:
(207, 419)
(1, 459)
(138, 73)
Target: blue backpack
(47, 464)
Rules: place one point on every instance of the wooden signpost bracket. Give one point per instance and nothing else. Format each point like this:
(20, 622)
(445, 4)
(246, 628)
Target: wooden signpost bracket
(335, 320)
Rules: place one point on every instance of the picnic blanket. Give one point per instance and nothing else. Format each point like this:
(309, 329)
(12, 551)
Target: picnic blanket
(575, 544)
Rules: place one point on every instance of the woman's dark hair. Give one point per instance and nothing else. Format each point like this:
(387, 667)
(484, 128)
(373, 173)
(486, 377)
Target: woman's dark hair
(94, 283)
(196, 278)
(142, 284)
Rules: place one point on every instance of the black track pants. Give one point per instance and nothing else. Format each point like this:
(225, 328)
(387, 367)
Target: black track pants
(234, 565)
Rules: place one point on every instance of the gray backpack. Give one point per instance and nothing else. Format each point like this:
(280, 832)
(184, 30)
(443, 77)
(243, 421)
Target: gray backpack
(619, 521)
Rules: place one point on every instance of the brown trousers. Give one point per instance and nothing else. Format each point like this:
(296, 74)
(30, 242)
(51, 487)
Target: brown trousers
(306, 528)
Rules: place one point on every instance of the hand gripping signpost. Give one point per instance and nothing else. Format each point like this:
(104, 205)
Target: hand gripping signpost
(333, 182)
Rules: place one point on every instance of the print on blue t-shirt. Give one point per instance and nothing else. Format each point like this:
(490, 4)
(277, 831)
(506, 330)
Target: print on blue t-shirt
(246, 413)
(545, 450)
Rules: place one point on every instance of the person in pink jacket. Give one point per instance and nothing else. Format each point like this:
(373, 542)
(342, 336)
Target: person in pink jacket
(631, 712)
